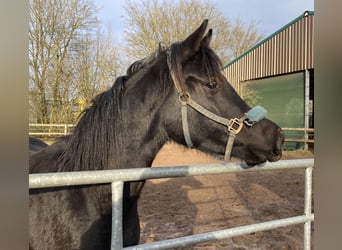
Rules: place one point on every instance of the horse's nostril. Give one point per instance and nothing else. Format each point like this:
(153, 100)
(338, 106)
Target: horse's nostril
(276, 151)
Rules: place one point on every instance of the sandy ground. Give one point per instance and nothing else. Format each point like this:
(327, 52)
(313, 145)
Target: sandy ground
(177, 207)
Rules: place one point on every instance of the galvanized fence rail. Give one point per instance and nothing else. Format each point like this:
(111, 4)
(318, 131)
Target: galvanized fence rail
(119, 176)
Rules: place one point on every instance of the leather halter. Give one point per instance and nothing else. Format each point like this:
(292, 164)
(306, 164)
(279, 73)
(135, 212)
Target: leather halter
(233, 125)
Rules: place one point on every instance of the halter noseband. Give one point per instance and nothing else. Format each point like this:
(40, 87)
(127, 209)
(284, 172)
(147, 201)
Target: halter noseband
(233, 125)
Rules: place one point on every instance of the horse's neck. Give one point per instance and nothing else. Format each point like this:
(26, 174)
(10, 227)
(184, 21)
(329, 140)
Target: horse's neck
(145, 136)
(139, 155)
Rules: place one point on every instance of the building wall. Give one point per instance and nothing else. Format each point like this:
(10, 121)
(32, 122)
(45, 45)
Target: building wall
(288, 50)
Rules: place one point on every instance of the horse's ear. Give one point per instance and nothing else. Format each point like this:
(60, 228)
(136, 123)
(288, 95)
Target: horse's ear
(193, 42)
(206, 40)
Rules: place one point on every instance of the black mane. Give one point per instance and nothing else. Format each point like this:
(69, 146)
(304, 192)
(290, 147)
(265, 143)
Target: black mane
(100, 125)
(92, 133)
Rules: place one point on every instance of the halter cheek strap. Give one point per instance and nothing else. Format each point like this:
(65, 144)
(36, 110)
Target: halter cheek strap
(233, 125)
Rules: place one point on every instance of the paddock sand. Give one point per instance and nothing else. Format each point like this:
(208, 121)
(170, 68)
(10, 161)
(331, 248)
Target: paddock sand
(177, 207)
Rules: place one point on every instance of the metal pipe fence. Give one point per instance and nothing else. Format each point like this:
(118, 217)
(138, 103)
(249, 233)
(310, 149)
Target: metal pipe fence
(117, 178)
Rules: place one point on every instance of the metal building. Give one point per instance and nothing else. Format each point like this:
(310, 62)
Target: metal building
(280, 69)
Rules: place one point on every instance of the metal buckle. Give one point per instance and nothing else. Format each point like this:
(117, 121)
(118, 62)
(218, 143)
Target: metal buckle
(235, 125)
(183, 97)
(249, 123)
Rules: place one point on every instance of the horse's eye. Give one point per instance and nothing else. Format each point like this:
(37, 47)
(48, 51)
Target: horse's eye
(211, 85)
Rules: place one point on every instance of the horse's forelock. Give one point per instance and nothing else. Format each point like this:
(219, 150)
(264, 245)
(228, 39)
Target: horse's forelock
(211, 62)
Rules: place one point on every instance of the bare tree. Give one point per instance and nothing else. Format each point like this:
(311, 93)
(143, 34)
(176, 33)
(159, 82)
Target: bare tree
(71, 59)
(149, 22)
(242, 37)
(99, 66)
(250, 96)
(54, 31)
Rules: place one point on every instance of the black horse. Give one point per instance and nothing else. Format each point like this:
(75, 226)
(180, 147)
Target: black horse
(125, 127)
(36, 145)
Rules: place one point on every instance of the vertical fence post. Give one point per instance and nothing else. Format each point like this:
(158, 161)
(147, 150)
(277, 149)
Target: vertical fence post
(306, 106)
(307, 207)
(117, 198)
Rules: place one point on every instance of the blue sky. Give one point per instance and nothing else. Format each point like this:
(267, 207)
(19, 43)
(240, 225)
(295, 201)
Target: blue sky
(270, 15)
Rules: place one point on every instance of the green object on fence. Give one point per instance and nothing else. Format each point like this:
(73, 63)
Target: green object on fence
(283, 97)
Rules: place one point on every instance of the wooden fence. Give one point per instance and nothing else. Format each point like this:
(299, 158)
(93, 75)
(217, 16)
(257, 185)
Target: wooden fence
(55, 130)
(49, 130)
(308, 135)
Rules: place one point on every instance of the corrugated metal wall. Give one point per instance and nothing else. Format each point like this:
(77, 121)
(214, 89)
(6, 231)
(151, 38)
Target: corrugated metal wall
(288, 50)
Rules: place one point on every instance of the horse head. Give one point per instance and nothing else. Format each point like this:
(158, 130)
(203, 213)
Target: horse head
(209, 103)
